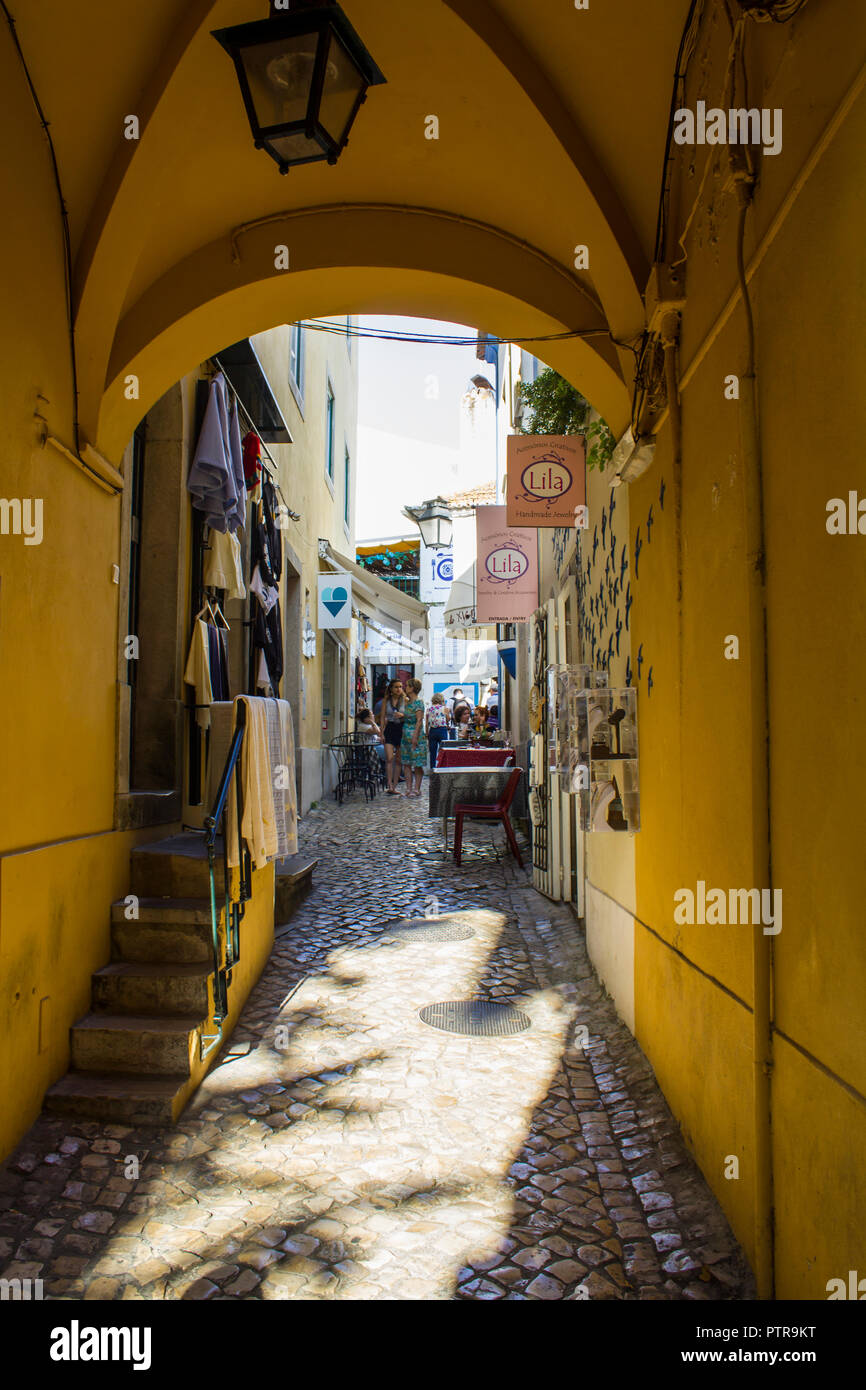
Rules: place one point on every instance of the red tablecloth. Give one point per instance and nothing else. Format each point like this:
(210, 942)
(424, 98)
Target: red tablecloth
(459, 755)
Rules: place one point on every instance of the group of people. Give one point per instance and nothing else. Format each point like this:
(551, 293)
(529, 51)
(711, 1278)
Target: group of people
(400, 724)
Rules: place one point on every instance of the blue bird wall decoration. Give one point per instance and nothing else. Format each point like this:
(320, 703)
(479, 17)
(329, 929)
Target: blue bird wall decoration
(662, 494)
(603, 527)
(649, 523)
(623, 564)
(628, 603)
(594, 543)
(639, 659)
(618, 630)
(628, 671)
(649, 681)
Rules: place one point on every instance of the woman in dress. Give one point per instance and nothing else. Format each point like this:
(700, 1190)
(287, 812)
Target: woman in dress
(412, 751)
(391, 729)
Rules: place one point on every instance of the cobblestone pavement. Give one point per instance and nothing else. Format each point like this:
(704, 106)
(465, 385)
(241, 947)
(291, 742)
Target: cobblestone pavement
(344, 1149)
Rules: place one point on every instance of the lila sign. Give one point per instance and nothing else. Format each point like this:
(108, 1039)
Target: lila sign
(506, 564)
(506, 586)
(546, 480)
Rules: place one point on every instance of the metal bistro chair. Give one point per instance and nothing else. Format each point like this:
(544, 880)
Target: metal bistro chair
(497, 811)
(354, 754)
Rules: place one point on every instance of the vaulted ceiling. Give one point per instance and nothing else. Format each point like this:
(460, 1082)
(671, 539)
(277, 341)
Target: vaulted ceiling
(552, 124)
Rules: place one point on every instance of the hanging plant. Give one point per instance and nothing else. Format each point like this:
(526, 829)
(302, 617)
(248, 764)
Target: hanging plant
(559, 408)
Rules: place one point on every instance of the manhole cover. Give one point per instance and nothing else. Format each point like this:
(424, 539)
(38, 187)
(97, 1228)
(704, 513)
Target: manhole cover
(475, 1017)
(432, 931)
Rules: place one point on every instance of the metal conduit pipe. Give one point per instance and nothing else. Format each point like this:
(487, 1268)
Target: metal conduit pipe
(762, 950)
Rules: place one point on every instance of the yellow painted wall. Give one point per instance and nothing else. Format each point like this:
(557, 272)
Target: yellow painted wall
(700, 731)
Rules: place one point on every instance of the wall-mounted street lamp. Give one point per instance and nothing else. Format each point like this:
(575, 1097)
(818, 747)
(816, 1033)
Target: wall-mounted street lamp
(433, 520)
(303, 75)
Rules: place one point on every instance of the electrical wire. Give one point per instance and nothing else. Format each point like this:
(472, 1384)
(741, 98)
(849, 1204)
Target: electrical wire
(64, 215)
(688, 41)
(445, 339)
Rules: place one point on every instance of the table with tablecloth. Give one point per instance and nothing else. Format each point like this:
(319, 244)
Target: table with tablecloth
(459, 755)
(479, 785)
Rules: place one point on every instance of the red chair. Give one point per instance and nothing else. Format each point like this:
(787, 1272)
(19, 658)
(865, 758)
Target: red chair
(498, 810)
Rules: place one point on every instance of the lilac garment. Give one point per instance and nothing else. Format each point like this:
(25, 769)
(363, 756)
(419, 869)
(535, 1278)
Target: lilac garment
(212, 476)
(239, 516)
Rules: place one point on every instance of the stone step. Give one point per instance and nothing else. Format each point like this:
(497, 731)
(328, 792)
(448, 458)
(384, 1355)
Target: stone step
(165, 930)
(142, 988)
(161, 1046)
(293, 879)
(121, 1097)
(176, 867)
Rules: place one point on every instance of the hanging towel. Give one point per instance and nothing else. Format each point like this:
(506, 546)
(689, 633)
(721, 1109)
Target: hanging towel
(270, 817)
(212, 480)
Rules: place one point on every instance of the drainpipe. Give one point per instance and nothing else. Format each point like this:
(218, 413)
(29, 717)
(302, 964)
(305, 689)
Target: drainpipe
(762, 949)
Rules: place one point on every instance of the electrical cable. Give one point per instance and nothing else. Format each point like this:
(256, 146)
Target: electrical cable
(64, 215)
(686, 49)
(449, 340)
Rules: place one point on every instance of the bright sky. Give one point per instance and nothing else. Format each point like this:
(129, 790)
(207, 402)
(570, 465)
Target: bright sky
(414, 439)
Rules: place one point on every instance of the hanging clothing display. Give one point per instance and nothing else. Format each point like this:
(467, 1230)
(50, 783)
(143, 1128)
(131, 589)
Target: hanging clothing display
(207, 665)
(267, 595)
(223, 564)
(268, 638)
(269, 819)
(216, 475)
(267, 543)
(252, 447)
(197, 672)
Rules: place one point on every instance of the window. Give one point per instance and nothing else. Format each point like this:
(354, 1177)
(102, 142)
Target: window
(346, 477)
(296, 362)
(329, 433)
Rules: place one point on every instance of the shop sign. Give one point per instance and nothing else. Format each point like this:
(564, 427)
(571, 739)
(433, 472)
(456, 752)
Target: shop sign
(335, 600)
(437, 572)
(546, 480)
(506, 571)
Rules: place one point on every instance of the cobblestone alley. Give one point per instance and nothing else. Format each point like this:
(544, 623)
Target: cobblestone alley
(345, 1149)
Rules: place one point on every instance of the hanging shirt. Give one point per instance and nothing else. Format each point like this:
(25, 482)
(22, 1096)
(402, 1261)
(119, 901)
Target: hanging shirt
(266, 595)
(252, 447)
(197, 673)
(217, 464)
(223, 564)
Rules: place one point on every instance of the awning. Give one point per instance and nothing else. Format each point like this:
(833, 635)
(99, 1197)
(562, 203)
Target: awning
(384, 597)
(244, 370)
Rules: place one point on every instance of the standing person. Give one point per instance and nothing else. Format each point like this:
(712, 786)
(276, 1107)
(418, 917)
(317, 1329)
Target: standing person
(437, 723)
(391, 729)
(458, 698)
(412, 750)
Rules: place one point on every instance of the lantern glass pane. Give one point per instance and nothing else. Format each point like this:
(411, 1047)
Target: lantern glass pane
(280, 75)
(291, 149)
(343, 85)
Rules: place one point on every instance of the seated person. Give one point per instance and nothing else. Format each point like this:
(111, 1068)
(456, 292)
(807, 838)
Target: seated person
(463, 723)
(366, 724)
(479, 721)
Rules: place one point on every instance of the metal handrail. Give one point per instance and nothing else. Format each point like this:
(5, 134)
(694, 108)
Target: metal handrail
(223, 962)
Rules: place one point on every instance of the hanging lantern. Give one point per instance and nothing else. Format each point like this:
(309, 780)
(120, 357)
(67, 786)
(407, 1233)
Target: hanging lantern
(303, 76)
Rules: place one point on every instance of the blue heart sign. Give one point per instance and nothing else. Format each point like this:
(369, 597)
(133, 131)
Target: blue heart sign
(335, 601)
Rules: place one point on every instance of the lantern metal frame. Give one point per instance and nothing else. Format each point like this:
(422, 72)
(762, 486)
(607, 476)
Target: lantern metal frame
(320, 22)
(436, 509)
